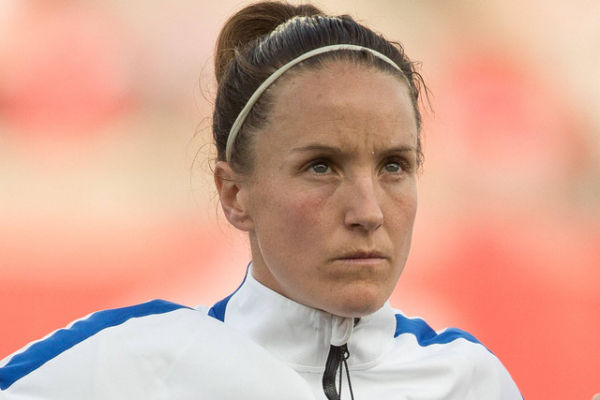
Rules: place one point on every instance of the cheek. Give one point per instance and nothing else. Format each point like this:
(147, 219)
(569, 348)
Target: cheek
(401, 211)
(402, 198)
(306, 215)
(291, 212)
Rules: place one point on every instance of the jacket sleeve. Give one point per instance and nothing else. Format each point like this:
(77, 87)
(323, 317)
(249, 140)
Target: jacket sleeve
(176, 354)
(490, 378)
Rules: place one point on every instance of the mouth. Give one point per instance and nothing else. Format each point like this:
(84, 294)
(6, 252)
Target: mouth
(362, 256)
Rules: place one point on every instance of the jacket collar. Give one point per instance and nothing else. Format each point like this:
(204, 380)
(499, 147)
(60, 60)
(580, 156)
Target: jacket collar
(301, 335)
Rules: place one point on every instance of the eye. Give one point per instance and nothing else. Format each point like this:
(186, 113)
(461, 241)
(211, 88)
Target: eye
(392, 167)
(397, 166)
(320, 167)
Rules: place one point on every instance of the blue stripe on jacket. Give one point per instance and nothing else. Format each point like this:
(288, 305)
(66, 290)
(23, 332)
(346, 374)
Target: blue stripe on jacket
(45, 350)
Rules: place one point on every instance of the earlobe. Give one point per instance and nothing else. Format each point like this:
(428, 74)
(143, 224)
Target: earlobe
(231, 195)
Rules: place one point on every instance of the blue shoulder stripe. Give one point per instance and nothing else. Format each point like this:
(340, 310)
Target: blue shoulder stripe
(217, 311)
(426, 335)
(43, 351)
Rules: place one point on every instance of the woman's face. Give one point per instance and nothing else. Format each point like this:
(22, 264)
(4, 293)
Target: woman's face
(332, 198)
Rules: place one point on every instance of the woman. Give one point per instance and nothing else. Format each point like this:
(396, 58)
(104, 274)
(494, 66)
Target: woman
(316, 124)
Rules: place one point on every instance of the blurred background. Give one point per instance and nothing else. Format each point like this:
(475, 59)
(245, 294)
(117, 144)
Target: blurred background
(106, 197)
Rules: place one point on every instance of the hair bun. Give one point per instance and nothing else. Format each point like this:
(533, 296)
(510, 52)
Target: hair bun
(251, 23)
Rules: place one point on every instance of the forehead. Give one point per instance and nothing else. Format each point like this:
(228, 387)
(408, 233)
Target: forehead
(344, 104)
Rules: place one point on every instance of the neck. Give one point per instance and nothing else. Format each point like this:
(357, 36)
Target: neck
(301, 335)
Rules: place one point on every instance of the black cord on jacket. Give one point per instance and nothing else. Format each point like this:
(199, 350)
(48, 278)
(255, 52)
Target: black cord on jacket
(336, 362)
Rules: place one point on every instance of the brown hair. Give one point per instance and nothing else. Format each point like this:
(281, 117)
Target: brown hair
(250, 48)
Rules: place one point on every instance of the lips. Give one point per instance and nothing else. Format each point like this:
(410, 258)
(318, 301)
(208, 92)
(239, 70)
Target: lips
(363, 255)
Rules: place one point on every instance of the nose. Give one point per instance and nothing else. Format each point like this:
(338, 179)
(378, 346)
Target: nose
(363, 209)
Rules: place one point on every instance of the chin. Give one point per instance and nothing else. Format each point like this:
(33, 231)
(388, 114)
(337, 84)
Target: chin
(358, 303)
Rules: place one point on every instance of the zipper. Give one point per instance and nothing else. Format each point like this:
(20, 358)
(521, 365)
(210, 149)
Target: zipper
(336, 362)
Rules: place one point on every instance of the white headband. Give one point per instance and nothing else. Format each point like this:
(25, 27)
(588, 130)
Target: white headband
(235, 128)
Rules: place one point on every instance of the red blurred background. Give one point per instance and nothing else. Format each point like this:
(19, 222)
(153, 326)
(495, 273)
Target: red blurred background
(106, 197)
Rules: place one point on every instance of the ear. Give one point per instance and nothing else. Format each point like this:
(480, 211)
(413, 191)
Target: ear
(232, 194)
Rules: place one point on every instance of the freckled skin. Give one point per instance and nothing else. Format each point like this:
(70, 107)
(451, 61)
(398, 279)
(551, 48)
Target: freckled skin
(310, 207)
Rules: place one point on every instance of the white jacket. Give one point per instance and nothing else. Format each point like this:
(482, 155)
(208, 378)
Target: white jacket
(155, 350)
(161, 350)
(390, 355)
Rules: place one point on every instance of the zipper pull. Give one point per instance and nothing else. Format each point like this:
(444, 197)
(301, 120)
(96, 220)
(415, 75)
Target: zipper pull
(336, 361)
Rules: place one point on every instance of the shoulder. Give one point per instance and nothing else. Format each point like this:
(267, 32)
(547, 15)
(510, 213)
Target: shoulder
(474, 369)
(90, 339)
(156, 349)
(427, 336)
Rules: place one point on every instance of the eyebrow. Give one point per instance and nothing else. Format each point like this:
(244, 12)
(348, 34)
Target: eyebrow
(337, 150)
(316, 147)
